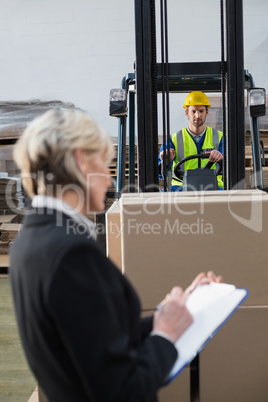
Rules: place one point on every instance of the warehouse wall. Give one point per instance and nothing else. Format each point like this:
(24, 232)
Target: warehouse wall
(64, 49)
(76, 51)
(256, 40)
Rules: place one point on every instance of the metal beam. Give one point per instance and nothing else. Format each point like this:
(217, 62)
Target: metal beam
(235, 94)
(187, 77)
(146, 94)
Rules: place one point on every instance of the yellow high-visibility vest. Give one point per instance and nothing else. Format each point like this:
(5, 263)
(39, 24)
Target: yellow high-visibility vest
(185, 146)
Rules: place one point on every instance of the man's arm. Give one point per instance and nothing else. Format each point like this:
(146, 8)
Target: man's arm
(216, 155)
(161, 156)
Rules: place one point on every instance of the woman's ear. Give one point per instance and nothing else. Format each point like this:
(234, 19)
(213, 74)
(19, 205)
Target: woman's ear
(81, 160)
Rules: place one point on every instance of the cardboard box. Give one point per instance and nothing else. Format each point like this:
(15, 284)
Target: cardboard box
(168, 238)
(7, 218)
(113, 234)
(234, 365)
(178, 390)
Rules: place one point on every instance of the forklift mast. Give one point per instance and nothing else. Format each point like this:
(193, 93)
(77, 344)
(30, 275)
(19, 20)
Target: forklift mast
(224, 75)
(150, 77)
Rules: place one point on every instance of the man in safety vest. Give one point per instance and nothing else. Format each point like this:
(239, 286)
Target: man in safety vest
(197, 138)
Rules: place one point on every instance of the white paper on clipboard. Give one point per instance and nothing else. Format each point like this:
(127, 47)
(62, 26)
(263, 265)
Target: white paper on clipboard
(211, 306)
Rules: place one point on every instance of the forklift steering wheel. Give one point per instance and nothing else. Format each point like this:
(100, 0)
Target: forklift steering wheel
(179, 174)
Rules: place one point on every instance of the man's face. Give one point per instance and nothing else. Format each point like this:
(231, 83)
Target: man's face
(197, 115)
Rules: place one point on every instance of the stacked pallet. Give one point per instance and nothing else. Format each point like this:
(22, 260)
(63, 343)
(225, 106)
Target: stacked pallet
(248, 147)
(8, 231)
(113, 168)
(265, 176)
(249, 159)
(264, 139)
(11, 195)
(7, 163)
(15, 116)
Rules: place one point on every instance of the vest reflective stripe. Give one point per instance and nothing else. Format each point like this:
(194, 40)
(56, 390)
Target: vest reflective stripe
(215, 138)
(180, 147)
(185, 146)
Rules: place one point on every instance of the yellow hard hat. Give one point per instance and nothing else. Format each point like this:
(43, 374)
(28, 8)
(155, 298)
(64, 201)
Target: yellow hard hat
(196, 98)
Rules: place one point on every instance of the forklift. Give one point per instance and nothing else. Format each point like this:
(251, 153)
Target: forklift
(150, 77)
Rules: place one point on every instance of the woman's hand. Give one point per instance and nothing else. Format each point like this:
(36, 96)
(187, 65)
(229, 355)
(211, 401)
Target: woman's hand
(173, 317)
(203, 279)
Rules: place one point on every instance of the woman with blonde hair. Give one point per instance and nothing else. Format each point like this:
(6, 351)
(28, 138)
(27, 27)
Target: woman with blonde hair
(78, 316)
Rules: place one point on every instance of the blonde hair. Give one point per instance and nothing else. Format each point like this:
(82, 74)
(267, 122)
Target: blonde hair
(45, 151)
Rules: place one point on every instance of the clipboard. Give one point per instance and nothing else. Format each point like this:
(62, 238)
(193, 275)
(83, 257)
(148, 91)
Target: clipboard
(211, 306)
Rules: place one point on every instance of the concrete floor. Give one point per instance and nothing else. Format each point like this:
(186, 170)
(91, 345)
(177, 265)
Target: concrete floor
(17, 383)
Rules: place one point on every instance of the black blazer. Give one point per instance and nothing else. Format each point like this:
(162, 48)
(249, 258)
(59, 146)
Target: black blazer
(79, 317)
